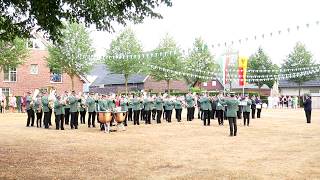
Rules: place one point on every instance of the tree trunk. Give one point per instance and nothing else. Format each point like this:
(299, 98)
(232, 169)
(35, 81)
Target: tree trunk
(72, 82)
(126, 82)
(299, 96)
(168, 86)
(259, 90)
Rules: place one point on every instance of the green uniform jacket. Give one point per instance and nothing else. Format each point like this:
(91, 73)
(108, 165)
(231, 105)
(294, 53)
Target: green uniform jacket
(28, 99)
(45, 102)
(190, 101)
(130, 104)
(232, 106)
(57, 107)
(177, 104)
(168, 105)
(91, 103)
(247, 108)
(159, 104)
(111, 104)
(205, 103)
(147, 104)
(135, 104)
(36, 105)
(67, 105)
(103, 105)
(73, 101)
(219, 106)
(124, 106)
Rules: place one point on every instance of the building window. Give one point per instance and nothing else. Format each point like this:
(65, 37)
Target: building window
(55, 77)
(314, 91)
(34, 69)
(10, 74)
(5, 91)
(214, 83)
(205, 84)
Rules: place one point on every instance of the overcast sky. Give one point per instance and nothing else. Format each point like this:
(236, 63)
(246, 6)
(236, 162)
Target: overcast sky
(218, 21)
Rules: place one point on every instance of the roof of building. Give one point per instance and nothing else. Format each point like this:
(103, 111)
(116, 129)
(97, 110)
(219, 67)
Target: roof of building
(289, 84)
(235, 85)
(105, 77)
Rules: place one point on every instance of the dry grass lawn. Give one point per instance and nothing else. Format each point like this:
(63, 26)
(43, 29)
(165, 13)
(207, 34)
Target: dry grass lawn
(280, 145)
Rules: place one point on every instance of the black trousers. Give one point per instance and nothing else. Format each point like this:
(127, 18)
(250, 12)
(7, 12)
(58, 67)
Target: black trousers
(154, 111)
(212, 114)
(83, 116)
(239, 114)
(233, 126)
(206, 117)
(130, 114)
(259, 113)
(225, 114)
(91, 119)
(142, 115)
(199, 113)
(246, 118)
(46, 120)
(164, 113)
(39, 117)
(74, 120)
(168, 115)
(136, 114)
(253, 115)
(220, 116)
(178, 114)
(30, 118)
(308, 116)
(159, 114)
(67, 115)
(147, 116)
(189, 113)
(192, 112)
(59, 121)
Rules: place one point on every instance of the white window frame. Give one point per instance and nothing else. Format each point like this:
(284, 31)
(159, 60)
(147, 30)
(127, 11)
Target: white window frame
(205, 84)
(214, 83)
(2, 90)
(10, 71)
(56, 82)
(34, 73)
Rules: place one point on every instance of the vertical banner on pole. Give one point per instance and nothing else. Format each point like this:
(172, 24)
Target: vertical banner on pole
(242, 70)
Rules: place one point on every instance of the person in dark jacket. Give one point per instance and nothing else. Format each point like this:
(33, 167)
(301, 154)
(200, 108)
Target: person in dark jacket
(307, 108)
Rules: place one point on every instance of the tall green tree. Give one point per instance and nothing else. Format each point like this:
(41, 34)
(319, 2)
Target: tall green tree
(299, 58)
(72, 55)
(171, 62)
(126, 44)
(261, 61)
(199, 58)
(19, 17)
(13, 53)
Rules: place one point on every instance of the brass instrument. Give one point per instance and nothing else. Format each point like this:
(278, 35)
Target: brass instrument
(51, 99)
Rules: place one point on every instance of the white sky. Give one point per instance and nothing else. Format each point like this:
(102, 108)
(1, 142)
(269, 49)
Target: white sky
(217, 21)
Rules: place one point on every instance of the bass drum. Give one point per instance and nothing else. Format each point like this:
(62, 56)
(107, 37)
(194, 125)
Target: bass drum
(120, 116)
(105, 117)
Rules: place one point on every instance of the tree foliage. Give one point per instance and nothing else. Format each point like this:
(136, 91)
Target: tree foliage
(73, 54)
(172, 62)
(125, 44)
(261, 61)
(199, 58)
(19, 17)
(299, 58)
(13, 53)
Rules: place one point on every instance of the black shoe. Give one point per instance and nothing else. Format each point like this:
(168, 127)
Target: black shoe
(62, 128)
(76, 127)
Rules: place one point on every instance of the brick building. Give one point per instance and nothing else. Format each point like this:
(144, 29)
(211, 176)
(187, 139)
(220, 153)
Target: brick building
(35, 74)
(106, 82)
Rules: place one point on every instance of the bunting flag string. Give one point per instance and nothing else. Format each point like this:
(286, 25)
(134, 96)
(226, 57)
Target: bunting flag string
(143, 55)
(265, 35)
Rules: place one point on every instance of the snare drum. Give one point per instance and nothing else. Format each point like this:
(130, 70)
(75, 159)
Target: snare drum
(104, 117)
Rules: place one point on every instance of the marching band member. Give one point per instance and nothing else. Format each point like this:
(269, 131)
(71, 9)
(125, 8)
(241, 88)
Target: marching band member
(45, 109)
(259, 106)
(38, 108)
(307, 106)
(91, 104)
(169, 104)
(239, 111)
(253, 106)
(66, 108)
(147, 109)
(220, 109)
(130, 112)
(246, 110)
(213, 107)
(58, 111)
(82, 109)
(159, 107)
(29, 108)
(232, 104)
(190, 106)
(178, 108)
(142, 112)
(73, 102)
(136, 109)
(205, 107)
(124, 107)
(154, 109)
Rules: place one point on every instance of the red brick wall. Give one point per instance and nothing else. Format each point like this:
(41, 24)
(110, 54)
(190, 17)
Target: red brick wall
(161, 86)
(26, 81)
(209, 86)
